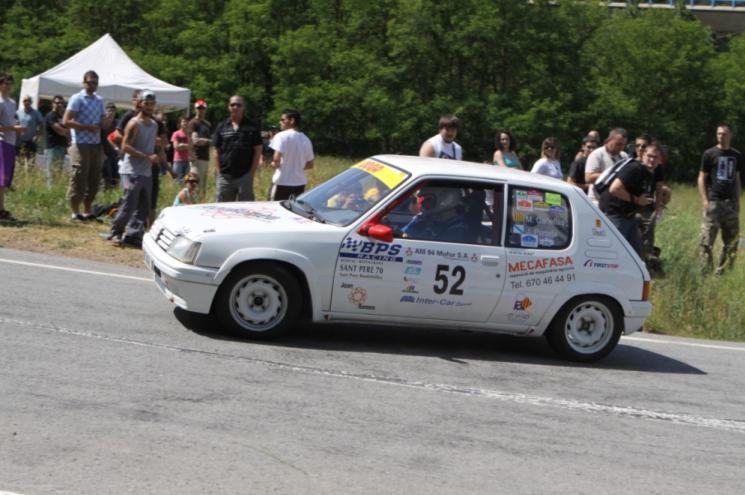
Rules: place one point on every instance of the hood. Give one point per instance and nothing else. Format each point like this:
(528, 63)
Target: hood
(234, 218)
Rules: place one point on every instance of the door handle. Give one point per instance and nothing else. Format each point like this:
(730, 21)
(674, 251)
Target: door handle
(489, 260)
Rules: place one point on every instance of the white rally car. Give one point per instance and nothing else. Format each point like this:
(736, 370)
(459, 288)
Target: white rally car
(414, 242)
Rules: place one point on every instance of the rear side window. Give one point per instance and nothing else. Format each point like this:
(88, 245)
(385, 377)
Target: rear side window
(538, 219)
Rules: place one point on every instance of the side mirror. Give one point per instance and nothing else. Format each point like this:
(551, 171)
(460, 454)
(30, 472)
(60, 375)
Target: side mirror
(377, 231)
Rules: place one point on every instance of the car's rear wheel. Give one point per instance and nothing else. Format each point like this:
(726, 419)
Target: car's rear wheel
(259, 301)
(586, 328)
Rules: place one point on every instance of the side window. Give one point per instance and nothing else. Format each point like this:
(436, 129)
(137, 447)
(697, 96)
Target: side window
(448, 211)
(538, 219)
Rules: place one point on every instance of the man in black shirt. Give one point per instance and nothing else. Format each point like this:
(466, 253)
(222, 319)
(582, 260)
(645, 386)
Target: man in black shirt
(57, 136)
(630, 190)
(238, 148)
(719, 188)
(577, 168)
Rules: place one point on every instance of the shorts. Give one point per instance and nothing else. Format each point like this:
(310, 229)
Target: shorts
(7, 163)
(87, 160)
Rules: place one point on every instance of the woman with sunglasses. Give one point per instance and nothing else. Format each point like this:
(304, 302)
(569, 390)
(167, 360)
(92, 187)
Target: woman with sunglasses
(189, 195)
(549, 163)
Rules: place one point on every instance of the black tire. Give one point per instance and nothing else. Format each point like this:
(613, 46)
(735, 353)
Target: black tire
(259, 301)
(586, 328)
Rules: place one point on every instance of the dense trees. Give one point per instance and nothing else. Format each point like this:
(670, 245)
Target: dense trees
(374, 76)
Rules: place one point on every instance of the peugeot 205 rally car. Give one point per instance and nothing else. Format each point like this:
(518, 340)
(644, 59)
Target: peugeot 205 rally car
(414, 242)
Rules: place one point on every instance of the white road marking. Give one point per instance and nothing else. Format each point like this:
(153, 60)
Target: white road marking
(686, 344)
(146, 279)
(732, 425)
(75, 270)
(517, 398)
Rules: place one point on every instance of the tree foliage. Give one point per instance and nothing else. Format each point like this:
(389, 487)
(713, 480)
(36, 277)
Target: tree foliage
(374, 77)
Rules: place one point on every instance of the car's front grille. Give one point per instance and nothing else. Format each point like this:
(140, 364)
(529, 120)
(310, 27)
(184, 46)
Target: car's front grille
(163, 237)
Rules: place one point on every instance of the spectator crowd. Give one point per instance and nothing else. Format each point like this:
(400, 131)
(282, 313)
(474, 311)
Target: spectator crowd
(626, 181)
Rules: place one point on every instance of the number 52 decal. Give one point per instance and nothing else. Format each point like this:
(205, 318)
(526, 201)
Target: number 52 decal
(444, 277)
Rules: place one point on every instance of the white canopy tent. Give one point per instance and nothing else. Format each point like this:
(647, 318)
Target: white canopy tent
(118, 77)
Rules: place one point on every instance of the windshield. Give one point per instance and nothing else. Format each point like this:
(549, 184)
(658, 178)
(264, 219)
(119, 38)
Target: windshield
(342, 199)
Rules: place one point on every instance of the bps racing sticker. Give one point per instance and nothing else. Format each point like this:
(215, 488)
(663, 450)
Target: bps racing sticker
(367, 250)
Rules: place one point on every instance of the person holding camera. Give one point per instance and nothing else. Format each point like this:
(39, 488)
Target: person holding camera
(632, 188)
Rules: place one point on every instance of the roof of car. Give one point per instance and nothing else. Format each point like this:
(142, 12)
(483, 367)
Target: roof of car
(419, 166)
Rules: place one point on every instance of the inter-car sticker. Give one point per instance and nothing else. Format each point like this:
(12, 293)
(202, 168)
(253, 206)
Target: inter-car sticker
(430, 301)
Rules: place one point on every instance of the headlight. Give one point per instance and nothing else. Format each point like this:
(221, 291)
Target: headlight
(184, 249)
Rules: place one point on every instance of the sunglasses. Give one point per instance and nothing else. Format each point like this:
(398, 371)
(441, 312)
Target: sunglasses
(236, 104)
(92, 83)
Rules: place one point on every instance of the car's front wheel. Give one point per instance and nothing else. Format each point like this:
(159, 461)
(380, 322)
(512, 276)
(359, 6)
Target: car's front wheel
(586, 328)
(259, 301)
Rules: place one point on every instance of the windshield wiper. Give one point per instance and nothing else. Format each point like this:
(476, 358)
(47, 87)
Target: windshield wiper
(309, 210)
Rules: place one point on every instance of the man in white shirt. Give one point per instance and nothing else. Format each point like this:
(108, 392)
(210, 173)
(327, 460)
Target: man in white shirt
(293, 155)
(443, 144)
(604, 157)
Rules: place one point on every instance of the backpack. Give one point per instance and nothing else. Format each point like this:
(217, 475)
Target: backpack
(606, 178)
(108, 210)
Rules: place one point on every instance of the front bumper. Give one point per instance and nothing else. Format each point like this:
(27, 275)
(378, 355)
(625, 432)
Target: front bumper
(189, 287)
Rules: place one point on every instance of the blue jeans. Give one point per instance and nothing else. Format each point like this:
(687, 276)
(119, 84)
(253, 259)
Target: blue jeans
(180, 168)
(54, 157)
(629, 229)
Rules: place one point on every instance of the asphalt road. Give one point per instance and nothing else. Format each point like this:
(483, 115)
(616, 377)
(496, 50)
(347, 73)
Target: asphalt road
(106, 389)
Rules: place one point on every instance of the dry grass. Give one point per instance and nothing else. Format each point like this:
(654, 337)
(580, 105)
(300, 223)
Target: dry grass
(74, 241)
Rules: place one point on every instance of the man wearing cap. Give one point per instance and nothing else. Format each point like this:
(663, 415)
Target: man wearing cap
(237, 143)
(85, 117)
(32, 120)
(199, 132)
(57, 137)
(135, 170)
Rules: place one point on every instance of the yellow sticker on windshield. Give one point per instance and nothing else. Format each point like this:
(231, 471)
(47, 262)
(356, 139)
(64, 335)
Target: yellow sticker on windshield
(388, 175)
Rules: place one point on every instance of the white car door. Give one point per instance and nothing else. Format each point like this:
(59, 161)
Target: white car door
(446, 272)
